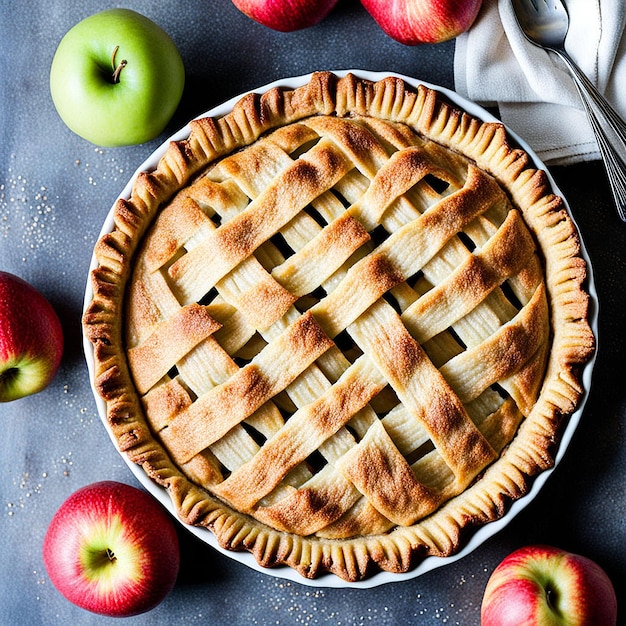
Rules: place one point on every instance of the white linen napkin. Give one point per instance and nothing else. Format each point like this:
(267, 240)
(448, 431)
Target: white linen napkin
(495, 65)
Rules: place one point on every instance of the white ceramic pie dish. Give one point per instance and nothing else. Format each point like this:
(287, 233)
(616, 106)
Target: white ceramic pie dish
(484, 532)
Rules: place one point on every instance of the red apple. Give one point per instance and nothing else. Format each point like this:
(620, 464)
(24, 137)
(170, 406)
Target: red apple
(413, 22)
(286, 15)
(31, 339)
(112, 549)
(546, 586)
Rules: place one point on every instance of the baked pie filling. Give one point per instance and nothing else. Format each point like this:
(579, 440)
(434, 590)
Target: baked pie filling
(341, 325)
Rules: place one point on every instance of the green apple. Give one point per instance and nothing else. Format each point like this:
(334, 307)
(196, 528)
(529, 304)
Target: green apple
(117, 78)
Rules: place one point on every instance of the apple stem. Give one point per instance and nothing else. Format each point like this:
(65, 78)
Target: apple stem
(115, 78)
(7, 375)
(110, 555)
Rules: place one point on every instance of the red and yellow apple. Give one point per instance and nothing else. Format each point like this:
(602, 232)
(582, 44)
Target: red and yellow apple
(286, 15)
(414, 22)
(112, 549)
(31, 339)
(116, 78)
(546, 586)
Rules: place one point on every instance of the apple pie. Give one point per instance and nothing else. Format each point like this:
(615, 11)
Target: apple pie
(343, 325)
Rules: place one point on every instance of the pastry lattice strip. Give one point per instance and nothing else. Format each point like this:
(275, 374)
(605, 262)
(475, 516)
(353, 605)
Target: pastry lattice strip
(230, 220)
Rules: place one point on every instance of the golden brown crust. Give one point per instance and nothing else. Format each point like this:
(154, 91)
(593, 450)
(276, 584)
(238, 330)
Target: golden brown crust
(260, 385)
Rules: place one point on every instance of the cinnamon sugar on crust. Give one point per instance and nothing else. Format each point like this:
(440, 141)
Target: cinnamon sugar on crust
(353, 326)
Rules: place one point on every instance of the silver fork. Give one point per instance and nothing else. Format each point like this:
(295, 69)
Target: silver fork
(545, 23)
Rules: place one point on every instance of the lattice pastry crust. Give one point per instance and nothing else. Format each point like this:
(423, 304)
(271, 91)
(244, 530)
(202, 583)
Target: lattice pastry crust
(340, 325)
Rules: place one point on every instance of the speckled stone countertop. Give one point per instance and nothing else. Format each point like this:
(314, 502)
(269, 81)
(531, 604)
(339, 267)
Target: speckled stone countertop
(55, 192)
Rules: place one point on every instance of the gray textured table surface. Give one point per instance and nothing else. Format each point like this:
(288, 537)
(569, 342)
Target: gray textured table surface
(55, 191)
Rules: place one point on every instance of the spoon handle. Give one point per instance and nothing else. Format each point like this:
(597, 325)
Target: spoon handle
(609, 129)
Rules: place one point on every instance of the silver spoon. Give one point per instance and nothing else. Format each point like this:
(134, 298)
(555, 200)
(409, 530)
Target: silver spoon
(545, 24)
